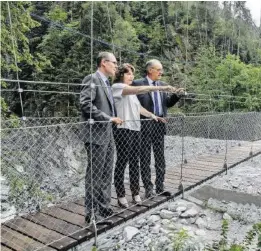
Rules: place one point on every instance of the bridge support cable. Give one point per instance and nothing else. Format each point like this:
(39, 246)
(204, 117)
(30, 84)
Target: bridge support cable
(14, 45)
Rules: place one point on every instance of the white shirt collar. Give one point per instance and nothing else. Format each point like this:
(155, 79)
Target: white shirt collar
(149, 80)
(104, 78)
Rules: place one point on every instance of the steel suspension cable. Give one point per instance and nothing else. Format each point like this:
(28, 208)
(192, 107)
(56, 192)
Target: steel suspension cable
(14, 44)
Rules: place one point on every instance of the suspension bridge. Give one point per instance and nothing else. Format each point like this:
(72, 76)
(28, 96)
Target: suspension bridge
(44, 160)
(61, 225)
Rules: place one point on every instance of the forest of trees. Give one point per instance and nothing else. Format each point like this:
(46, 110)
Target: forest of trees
(213, 49)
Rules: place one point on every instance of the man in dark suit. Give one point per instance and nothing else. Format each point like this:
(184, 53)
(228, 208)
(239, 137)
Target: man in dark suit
(152, 132)
(98, 110)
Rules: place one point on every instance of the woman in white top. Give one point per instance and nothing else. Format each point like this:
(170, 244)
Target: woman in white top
(127, 135)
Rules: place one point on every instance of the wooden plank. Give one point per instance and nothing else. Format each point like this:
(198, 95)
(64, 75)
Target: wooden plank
(83, 235)
(116, 220)
(139, 209)
(194, 173)
(4, 248)
(127, 214)
(65, 215)
(74, 208)
(42, 234)
(114, 204)
(206, 168)
(160, 198)
(20, 242)
(148, 203)
(52, 223)
(80, 201)
(190, 174)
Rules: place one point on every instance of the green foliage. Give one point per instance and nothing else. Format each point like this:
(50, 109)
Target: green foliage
(14, 29)
(250, 238)
(22, 187)
(179, 240)
(210, 50)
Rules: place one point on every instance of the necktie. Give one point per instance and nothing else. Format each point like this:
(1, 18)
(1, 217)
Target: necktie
(110, 96)
(156, 101)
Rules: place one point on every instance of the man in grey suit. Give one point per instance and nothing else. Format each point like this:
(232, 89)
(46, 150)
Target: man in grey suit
(152, 132)
(98, 110)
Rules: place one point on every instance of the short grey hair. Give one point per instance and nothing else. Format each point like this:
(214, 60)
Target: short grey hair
(102, 55)
(151, 63)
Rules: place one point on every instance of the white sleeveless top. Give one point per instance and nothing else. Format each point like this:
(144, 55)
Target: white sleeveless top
(128, 108)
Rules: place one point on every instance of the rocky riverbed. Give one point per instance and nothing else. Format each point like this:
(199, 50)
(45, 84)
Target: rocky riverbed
(197, 224)
(57, 164)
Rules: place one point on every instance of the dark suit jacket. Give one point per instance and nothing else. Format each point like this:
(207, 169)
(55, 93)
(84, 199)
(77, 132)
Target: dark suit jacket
(147, 101)
(95, 103)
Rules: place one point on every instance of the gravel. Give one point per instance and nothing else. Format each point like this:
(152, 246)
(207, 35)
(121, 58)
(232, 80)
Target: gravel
(246, 177)
(159, 229)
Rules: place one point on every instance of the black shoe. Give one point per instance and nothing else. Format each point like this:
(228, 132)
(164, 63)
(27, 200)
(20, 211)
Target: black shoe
(149, 194)
(164, 193)
(88, 219)
(106, 212)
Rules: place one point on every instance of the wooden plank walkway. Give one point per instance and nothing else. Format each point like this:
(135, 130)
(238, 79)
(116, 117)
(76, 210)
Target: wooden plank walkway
(62, 227)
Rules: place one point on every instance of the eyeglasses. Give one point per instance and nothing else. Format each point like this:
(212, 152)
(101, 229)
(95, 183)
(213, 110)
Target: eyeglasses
(158, 70)
(115, 63)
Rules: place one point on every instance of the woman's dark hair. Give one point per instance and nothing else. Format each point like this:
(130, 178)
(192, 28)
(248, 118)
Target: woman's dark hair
(125, 68)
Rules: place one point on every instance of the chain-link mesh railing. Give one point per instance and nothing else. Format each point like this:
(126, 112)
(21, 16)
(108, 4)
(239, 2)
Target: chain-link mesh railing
(48, 169)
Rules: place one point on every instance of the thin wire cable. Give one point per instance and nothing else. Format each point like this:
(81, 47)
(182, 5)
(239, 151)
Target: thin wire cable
(148, 55)
(15, 58)
(60, 83)
(113, 46)
(38, 82)
(40, 91)
(92, 219)
(185, 97)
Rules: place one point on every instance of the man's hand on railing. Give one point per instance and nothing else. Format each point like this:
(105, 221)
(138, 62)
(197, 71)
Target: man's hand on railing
(153, 116)
(116, 120)
(161, 119)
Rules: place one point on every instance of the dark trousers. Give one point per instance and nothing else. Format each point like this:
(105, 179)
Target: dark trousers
(98, 178)
(127, 145)
(152, 138)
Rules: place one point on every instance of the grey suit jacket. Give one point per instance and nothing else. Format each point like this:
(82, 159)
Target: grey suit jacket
(96, 104)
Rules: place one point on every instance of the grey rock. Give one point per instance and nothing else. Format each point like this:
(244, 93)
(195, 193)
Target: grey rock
(172, 206)
(147, 242)
(174, 219)
(200, 232)
(129, 232)
(163, 241)
(192, 212)
(155, 229)
(153, 219)
(165, 222)
(226, 216)
(200, 223)
(166, 214)
(184, 221)
(164, 231)
(171, 226)
(181, 209)
(191, 220)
